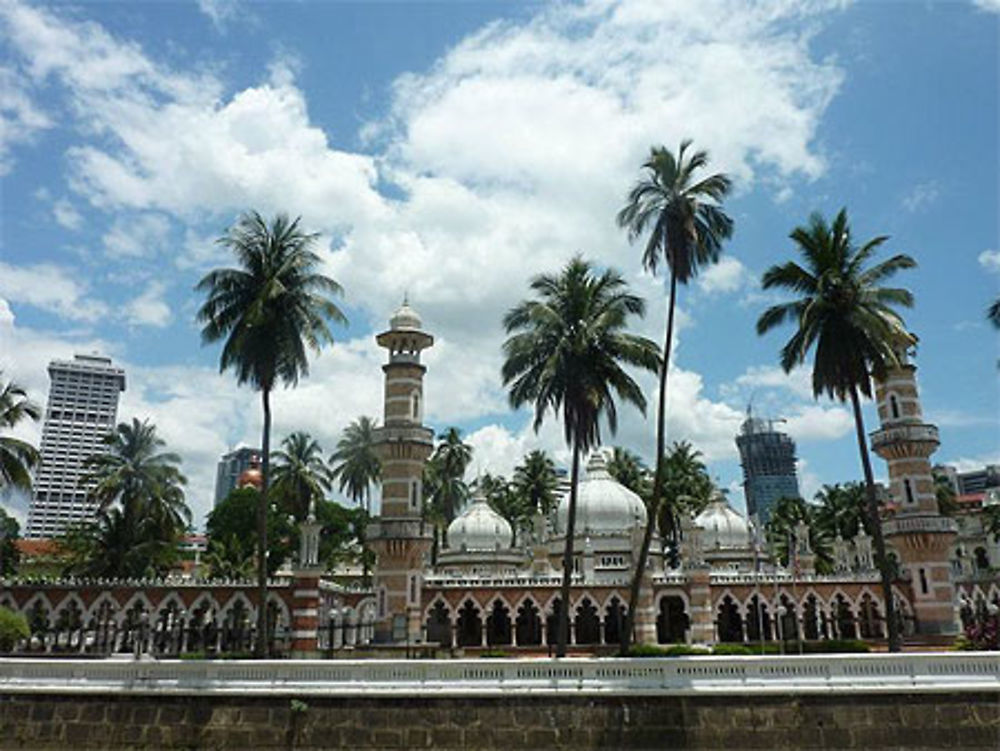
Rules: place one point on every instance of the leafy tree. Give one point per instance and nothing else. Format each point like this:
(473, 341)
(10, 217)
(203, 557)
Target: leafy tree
(141, 512)
(13, 628)
(841, 311)
(535, 482)
(10, 533)
(17, 458)
(355, 464)
(565, 353)
(944, 491)
(300, 474)
(268, 310)
(993, 313)
(991, 521)
(235, 518)
(686, 226)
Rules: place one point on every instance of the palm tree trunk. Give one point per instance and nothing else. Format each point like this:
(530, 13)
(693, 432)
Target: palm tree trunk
(652, 511)
(260, 648)
(895, 639)
(562, 624)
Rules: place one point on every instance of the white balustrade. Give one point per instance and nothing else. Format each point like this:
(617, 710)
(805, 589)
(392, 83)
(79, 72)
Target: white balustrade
(867, 673)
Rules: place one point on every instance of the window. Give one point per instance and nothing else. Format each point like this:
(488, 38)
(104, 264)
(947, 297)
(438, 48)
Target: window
(923, 582)
(908, 489)
(415, 406)
(414, 494)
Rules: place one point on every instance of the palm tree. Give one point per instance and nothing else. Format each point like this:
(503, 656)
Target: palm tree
(628, 469)
(300, 474)
(355, 464)
(841, 510)
(850, 320)
(229, 558)
(268, 310)
(141, 513)
(17, 457)
(535, 481)
(686, 227)
(687, 488)
(944, 491)
(505, 500)
(453, 458)
(993, 313)
(565, 353)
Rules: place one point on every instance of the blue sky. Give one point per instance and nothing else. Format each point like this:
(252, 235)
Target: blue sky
(454, 149)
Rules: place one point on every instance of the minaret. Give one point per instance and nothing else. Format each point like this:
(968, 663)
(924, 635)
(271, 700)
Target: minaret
(917, 530)
(399, 537)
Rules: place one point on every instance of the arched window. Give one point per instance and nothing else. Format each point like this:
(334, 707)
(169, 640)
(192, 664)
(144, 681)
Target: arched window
(908, 489)
(415, 406)
(894, 406)
(414, 494)
(381, 602)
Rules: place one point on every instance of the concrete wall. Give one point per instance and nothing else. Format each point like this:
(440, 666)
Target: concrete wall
(968, 720)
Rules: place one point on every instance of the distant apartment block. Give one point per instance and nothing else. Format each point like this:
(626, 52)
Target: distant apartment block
(768, 460)
(82, 409)
(231, 466)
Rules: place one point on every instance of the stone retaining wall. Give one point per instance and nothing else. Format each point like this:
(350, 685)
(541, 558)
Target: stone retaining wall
(838, 721)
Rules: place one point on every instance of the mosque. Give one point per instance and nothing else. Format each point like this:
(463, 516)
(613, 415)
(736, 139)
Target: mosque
(488, 591)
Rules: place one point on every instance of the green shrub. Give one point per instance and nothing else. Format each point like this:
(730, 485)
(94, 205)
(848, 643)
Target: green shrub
(829, 646)
(494, 653)
(673, 650)
(13, 628)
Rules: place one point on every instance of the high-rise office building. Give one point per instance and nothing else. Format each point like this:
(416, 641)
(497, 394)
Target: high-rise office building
(768, 460)
(82, 409)
(230, 467)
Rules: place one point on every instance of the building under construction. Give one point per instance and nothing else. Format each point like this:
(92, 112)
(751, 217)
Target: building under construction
(768, 460)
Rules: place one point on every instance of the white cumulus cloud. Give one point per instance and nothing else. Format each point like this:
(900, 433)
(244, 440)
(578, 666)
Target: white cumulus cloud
(51, 288)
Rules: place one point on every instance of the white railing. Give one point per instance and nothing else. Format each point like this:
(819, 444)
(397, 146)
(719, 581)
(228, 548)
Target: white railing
(907, 673)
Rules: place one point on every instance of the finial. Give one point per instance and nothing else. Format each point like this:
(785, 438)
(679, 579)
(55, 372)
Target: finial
(406, 297)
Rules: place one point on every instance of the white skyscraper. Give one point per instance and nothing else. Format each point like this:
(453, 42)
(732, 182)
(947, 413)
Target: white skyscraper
(82, 409)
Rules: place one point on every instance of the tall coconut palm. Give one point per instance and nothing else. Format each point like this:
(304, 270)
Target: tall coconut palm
(841, 311)
(451, 458)
(627, 468)
(993, 313)
(683, 216)
(17, 457)
(565, 353)
(269, 310)
(300, 474)
(139, 492)
(535, 481)
(841, 509)
(355, 464)
(687, 488)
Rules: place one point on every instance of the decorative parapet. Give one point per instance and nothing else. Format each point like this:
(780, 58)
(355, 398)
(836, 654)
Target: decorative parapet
(902, 524)
(847, 674)
(785, 577)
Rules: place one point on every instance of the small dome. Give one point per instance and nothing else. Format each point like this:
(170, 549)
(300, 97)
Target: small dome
(603, 505)
(722, 526)
(405, 318)
(250, 478)
(480, 528)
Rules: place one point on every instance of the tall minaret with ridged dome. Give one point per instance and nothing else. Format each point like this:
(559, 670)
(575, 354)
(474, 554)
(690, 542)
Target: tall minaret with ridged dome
(917, 530)
(399, 537)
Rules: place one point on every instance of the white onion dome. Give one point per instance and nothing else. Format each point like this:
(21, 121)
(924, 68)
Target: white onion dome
(405, 317)
(480, 528)
(603, 504)
(722, 526)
